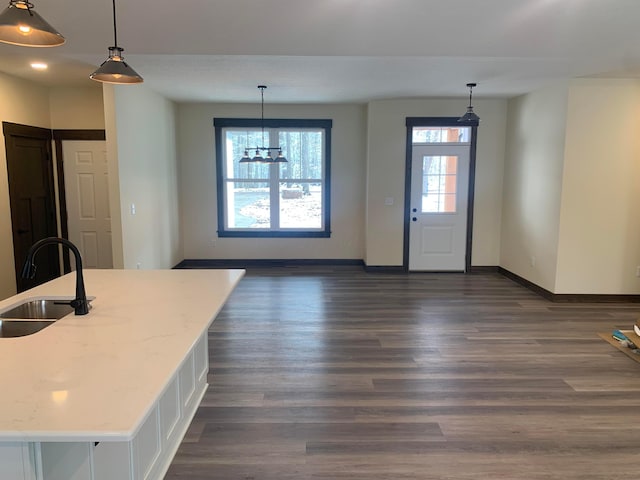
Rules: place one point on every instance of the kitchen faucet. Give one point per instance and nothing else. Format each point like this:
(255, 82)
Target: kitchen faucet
(29, 271)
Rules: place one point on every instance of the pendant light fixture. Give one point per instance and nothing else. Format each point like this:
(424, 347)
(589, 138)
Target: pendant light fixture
(470, 116)
(114, 69)
(21, 25)
(258, 155)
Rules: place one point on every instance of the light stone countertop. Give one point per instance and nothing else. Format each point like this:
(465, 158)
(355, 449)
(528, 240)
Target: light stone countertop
(96, 377)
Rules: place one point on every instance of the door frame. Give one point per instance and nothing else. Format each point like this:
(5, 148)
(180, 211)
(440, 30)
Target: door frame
(58, 137)
(438, 122)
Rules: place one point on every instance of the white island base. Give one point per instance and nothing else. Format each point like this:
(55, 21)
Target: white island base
(147, 456)
(145, 450)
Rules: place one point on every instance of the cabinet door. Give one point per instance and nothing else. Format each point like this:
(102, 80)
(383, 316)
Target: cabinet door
(17, 461)
(112, 460)
(170, 413)
(201, 358)
(147, 447)
(187, 378)
(66, 460)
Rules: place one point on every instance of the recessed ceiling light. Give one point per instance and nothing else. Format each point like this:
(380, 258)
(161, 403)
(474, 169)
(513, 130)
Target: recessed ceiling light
(39, 66)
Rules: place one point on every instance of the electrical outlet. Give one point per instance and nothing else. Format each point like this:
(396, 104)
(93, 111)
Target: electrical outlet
(532, 261)
(638, 271)
(139, 265)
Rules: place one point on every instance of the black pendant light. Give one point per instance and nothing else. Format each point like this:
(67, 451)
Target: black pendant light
(470, 116)
(21, 25)
(258, 158)
(114, 69)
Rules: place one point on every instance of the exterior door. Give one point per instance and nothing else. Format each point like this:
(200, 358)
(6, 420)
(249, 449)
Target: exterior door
(86, 179)
(438, 210)
(32, 199)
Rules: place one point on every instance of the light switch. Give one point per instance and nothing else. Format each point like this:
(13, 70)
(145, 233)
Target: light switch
(388, 201)
(133, 209)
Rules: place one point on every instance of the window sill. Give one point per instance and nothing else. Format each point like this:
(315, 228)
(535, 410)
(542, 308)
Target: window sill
(280, 234)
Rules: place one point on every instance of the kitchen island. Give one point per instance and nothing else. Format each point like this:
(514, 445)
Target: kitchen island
(109, 395)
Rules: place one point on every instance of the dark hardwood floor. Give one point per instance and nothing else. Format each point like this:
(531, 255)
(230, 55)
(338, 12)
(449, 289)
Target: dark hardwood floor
(321, 373)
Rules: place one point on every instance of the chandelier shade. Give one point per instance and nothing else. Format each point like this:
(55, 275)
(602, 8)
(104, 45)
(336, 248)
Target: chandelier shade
(21, 25)
(114, 69)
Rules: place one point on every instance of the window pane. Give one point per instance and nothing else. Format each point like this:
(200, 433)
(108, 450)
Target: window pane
(441, 134)
(301, 205)
(303, 150)
(237, 141)
(248, 205)
(251, 170)
(439, 179)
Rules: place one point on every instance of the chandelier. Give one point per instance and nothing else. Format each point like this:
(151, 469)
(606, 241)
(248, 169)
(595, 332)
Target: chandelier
(268, 158)
(470, 116)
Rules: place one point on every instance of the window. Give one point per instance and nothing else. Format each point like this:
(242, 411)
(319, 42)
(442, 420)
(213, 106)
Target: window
(273, 199)
(439, 184)
(439, 171)
(441, 135)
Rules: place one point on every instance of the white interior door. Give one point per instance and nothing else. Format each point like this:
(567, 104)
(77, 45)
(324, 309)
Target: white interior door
(86, 178)
(438, 216)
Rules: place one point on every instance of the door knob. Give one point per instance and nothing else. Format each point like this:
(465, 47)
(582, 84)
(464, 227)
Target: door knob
(414, 210)
(415, 219)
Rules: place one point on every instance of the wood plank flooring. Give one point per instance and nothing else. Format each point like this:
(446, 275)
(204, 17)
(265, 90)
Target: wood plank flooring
(335, 373)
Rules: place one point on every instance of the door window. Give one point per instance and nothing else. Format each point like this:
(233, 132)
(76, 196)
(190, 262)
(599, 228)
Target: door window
(439, 179)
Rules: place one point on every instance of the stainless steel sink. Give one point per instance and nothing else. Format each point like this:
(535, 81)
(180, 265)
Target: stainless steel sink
(22, 328)
(40, 308)
(32, 315)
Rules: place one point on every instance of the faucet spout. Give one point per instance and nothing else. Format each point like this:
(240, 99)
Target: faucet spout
(80, 304)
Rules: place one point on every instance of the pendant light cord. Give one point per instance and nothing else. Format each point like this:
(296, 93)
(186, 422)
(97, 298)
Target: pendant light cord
(115, 30)
(261, 87)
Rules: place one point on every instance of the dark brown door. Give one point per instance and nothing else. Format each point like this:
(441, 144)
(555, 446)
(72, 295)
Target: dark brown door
(32, 199)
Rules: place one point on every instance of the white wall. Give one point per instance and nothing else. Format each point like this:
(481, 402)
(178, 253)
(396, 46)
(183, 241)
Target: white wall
(111, 135)
(196, 145)
(77, 108)
(599, 247)
(25, 103)
(572, 187)
(533, 184)
(386, 146)
(141, 151)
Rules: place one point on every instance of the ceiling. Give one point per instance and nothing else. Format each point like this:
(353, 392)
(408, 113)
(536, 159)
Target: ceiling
(338, 50)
